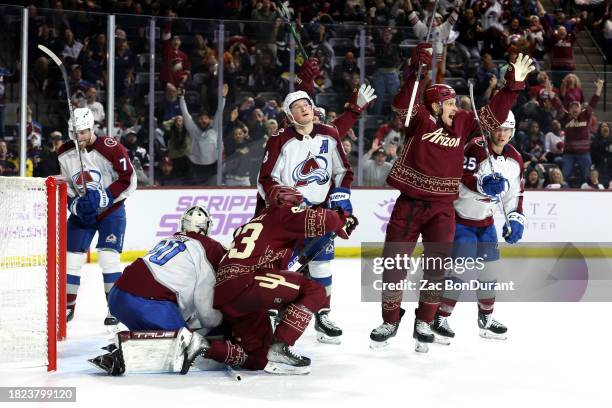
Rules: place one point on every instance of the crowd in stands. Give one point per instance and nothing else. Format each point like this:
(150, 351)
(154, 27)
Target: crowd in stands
(557, 133)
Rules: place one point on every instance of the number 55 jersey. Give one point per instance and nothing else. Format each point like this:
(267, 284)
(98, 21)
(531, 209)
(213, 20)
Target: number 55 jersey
(181, 269)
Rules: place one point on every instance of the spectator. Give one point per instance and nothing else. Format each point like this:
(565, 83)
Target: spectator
(535, 36)
(390, 132)
(456, 61)
(375, 167)
(256, 125)
(124, 62)
(126, 112)
(386, 77)
(138, 156)
(96, 107)
(165, 175)
(470, 32)
(47, 164)
(593, 182)
(266, 73)
(554, 143)
(601, 152)
(34, 129)
(7, 166)
(176, 66)
(351, 155)
(71, 47)
(3, 72)
(203, 150)
(344, 70)
(543, 83)
(556, 179)
(534, 179)
(531, 145)
(241, 167)
(169, 108)
(465, 103)
(179, 146)
(544, 112)
(576, 122)
(561, 49)
(486, 79)
(571, 90)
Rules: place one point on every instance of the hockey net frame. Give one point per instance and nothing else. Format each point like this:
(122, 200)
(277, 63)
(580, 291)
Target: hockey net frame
(50, 203)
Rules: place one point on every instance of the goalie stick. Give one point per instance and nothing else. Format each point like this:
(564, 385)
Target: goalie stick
(62, 68)
(486, 148)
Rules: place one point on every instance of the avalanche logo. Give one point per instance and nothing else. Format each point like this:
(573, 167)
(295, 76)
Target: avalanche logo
(311, 170)
(90, 176)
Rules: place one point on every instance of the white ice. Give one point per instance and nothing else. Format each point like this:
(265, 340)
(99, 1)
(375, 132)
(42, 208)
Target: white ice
(557, 355)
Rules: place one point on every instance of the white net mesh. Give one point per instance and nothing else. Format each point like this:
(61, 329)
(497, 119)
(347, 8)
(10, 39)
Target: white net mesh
(23, 277)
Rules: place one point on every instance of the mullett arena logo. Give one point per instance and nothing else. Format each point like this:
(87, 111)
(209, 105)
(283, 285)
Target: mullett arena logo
(439, 137)
(311, 170)
(228, 211)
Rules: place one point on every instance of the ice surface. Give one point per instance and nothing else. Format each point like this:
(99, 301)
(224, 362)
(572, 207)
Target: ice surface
(557, 354)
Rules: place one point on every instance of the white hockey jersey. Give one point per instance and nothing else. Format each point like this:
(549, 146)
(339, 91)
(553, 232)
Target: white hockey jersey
(106, 163)
(182, 269)
(312, 164)
(474, 208)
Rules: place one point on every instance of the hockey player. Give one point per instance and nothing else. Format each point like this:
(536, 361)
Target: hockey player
(309, 156)
(475, 234)
(428, 173)
(252, 278)
(109, 178)
(168, 289)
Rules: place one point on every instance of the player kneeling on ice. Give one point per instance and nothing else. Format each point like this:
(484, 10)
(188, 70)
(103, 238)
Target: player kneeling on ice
(100, 177)
(162, 297)
(253, 278)
(482, 188)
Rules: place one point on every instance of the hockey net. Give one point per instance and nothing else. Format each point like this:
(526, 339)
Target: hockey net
(32, 270)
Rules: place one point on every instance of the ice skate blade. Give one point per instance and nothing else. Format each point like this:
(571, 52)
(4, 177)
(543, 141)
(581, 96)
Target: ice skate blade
(285, 369)
(325, 339)
(94, 362)
(489, 335)
(379, 345)
(421, 347)
(443, 340)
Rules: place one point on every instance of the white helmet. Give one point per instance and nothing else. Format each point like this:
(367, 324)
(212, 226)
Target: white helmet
(83, 119)
(509, 123)
(293, 97)
(196, 219)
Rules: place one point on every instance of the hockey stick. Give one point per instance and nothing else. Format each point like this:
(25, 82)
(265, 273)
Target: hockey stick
(283, 12)
(418, 77)
(486, 148)
(324, 241)
(62, 68)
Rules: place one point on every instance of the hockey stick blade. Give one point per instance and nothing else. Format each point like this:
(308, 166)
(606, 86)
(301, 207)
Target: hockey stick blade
(51, 54)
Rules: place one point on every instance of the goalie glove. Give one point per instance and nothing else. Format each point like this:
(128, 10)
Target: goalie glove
(517, 225)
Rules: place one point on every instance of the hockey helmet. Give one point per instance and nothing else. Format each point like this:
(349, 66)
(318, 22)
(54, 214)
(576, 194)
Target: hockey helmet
(438, 93)
(509, 123)
(83, 119)
(294, 97)
(196, 219)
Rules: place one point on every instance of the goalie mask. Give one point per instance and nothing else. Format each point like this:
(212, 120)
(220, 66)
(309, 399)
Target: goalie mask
(196, 219)
(83, 119)
(290, 99)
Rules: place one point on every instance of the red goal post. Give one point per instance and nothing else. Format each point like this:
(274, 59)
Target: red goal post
(32, 270)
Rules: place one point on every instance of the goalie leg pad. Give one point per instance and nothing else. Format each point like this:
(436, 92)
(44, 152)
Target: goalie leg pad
(138, 313)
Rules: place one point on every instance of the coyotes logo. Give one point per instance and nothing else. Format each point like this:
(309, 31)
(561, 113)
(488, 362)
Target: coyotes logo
(311, 170)
(439, 137)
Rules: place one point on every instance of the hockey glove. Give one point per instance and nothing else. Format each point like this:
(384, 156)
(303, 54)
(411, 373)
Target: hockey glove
(522, 67)
(517, 225)
(360, 99)
(308, 72)
(350, 223)
(341, 197)
(493, 185)
(81, 207)
(421, 55)
(98, 197)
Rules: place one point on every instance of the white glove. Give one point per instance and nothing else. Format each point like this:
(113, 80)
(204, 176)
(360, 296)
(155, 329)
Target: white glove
(365, 95)
(522, 67)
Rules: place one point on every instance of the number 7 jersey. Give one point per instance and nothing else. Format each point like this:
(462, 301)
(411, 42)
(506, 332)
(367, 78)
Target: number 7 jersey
(267, 242)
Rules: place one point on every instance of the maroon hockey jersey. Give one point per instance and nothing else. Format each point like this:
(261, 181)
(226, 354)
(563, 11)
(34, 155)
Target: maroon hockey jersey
(577, 134)
(431, 163)
(267, 242)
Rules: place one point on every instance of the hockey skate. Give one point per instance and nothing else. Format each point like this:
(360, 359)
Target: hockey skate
(491, 328)
(327, 331)
(198, 346)
(110, 320)
(423, 335)
(69, 314)
(441, 330)
(283, 360)
(112, 362)
(380, 336)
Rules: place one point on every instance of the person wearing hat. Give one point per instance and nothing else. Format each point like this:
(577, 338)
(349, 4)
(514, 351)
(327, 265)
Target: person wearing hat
(576, 121)
(138, 155)
(164, 175)
(375, 166)
(47, 164)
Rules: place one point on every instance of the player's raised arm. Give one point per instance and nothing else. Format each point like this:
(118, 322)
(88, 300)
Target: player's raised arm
(421, 55)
